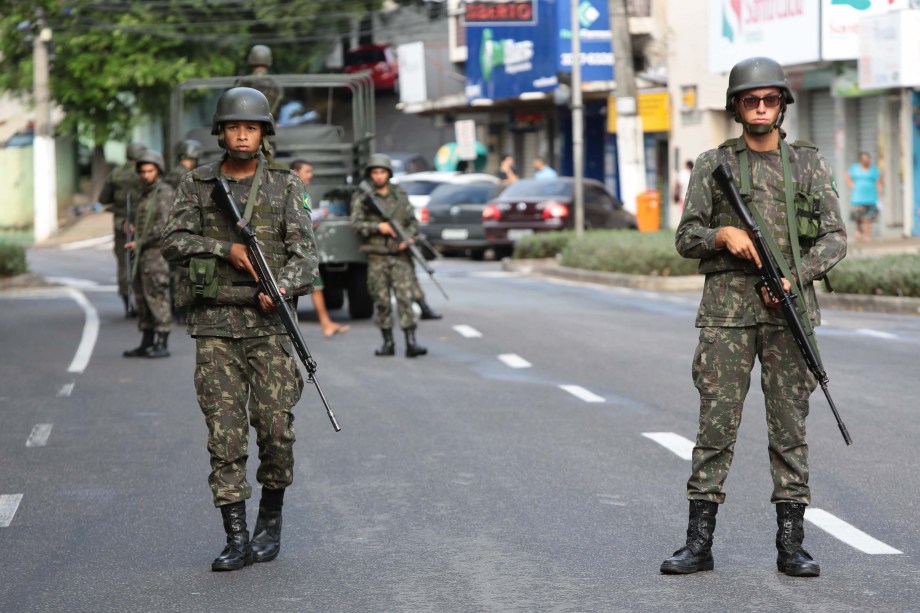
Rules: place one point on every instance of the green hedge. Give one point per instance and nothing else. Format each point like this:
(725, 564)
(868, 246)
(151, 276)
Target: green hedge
(888, 275)
(12, 259)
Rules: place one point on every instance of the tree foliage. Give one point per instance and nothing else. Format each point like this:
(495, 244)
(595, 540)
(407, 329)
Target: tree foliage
(116, 60)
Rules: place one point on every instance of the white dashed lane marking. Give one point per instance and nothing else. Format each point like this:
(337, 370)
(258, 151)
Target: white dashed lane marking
(877, 334)
(581, 393)
(680, 446)
(8, 505)
(66, 389)
(468, 331)
(850, 535)
(39, 436)
(513, 360)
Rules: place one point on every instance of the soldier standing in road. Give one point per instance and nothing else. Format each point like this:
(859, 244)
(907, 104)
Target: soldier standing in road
(244, 358)
(260, 60)
(150, 275)
(187, 154)
(121, 186)
(390, 267)
(791, 188)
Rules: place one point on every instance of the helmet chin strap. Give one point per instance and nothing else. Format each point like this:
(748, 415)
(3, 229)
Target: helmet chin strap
(242, 155)
(759, 129)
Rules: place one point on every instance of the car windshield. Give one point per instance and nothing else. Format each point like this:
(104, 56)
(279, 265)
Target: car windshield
(473, 193)
(357, 58)
(419, 188)
(538, 188)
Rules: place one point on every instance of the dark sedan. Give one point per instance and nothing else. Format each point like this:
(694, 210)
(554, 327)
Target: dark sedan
(455, 217)
(545, 205)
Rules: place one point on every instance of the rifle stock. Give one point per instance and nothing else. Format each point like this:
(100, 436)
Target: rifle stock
(772, 280)
(224, 198)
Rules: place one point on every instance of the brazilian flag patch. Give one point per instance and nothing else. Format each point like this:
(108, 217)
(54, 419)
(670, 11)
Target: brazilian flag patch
(834, 186)
(306, 201)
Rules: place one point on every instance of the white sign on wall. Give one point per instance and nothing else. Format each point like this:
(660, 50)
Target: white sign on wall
(465, 133)
(786, 30)
(889, 45)
(840, 24)
(412, 77)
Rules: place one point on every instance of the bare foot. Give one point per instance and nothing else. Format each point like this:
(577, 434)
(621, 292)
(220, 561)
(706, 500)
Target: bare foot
(333, 328)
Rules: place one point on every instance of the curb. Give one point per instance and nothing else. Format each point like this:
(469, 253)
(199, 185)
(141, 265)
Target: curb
(850, 302)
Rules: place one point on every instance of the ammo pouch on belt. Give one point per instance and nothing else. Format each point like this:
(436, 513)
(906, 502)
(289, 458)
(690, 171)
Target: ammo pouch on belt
(807, 215)
(202, 272)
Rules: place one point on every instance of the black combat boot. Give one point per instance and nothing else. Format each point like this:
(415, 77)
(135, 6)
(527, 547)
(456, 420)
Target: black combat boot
(160, 348)
(141, 351)
(388, 347)
(792, 559)
(266, 537)
(427, 311)
(130, 311)
(238, 552)
(413, 349)
(696, 555)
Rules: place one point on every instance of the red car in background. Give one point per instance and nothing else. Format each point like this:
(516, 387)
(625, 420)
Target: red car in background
(379, 59)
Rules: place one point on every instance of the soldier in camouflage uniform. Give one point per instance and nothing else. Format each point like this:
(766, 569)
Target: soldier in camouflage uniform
(389, 265)
(187, 154)
(259, 61)
(244, 358)
(120, 186)
(739, 323)
(150, 275)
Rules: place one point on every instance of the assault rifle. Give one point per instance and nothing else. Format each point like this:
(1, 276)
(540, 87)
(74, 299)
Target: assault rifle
(370, 199)
(772, 280)
(224, 198)
(129, 255)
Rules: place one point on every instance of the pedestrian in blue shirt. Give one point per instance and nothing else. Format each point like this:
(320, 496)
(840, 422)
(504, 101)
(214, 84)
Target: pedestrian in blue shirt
(543, 170)
(865, 183)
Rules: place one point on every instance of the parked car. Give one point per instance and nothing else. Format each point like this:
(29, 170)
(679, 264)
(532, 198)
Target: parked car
(545, 205)
(419, 186)
(406, 163)
(455, 217)
(379, 59)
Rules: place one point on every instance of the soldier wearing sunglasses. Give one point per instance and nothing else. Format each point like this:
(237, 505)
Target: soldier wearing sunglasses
(791, 192)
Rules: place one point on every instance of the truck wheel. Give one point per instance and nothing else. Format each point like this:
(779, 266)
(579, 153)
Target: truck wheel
(333, 290)
(360, 303)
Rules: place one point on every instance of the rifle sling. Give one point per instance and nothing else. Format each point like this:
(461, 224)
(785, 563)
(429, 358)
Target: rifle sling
(138, 240)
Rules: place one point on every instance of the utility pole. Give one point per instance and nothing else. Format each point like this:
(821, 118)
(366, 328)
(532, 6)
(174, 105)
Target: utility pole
(630, 139)
(45, 220)
(578, 126)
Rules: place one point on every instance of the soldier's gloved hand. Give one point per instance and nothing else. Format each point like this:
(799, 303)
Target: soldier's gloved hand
(239, 259)
(267, 305)
(739, 244)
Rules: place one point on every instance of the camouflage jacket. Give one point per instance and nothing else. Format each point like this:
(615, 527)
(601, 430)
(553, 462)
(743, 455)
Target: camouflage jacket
(153, 204)
(365, 222)
(121, 182)
(280, 202)
(729, 297)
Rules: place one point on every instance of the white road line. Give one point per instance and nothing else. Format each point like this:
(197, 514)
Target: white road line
(89, 242)
(90, 332)
(680, 446)
(581, 393)
(8, 505)
(877, 333)
(513, 360)
(853, 537)
(468, 331)
(66, 389)
(39, 436)
(74, 282)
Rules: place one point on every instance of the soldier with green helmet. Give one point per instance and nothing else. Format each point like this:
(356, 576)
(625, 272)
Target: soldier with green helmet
(246, 370)
(789, 187)
(390, 268)
(188, 153)
(120, 189)
(150, 273)
(259, 61)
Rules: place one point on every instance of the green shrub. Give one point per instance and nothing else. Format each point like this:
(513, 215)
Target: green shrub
(542, 245)
(12, 259)
(628, 251)
(889, 275)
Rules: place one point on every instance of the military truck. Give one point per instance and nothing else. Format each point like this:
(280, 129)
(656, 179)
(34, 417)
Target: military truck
(326, 119)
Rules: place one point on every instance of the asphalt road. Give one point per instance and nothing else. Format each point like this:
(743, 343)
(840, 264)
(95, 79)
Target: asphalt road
(509, 470)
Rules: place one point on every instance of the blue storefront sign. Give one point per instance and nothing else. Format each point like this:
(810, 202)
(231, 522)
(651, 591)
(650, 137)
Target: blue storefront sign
(594, 26)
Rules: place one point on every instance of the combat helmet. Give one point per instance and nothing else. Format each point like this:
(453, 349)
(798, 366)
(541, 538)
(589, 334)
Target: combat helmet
(135, 150)
(151, 157)
(190, 149)
(260, 55)
(243, 104)
(756, 73)
(379, 160)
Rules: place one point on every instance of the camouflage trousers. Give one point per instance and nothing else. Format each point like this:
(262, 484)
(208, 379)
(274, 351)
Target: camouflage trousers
(722, 374)
(259, 374)
(122, 274)
(386, 273)
(151, 292)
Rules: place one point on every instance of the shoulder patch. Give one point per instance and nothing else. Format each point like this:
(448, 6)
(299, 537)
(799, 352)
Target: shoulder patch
(306, 201)
(834, 186)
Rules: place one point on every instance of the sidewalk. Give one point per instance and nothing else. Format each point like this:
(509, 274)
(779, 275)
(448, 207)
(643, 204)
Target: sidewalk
(84, 227)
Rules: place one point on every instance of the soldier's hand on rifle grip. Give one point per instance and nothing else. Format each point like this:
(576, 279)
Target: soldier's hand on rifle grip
(239, 259)
(739, 244)
(268, 305)
(386, 229)
(773, 301)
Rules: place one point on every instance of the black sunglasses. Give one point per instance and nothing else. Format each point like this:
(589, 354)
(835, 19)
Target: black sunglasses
(770, 101)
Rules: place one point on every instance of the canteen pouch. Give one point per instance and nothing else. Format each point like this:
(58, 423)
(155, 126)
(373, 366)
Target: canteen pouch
(807, 215)
(202, 271)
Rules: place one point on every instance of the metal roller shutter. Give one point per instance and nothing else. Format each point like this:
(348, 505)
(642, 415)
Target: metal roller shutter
(821, 123)
(869, 126)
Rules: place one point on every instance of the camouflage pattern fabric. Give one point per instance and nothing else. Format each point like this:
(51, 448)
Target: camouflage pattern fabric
(364, 222)
(122, 181)
(735, 324)
(229, 373)
(174, 176)
(396, 274)
(151, 283)
(261, 80)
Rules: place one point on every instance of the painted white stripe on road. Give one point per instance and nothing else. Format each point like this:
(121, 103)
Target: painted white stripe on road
(513, 360)
(877, 334)
(468, 332)
(39, 436)
(66, 389)
(680, 446)
(8, 505)
(90, 332)
(853, 537)
(581, 393)
(89, 242)
(74, 282)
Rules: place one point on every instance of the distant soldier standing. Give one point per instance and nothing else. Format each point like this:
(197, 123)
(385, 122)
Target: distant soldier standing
(187, 154)
(120, 186)
(789, 188)
(151, 272)
(259, 61)
(390, 267)
(246, 370)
